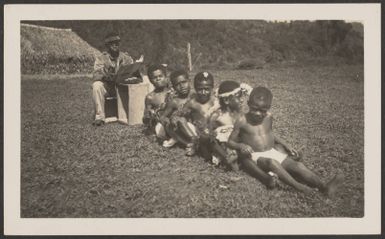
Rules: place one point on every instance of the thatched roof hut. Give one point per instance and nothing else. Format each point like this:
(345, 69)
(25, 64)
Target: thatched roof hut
(54, 50)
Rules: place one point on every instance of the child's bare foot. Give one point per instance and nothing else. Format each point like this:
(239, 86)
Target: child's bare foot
(169, 143)
(305, 189)
(215, 160)
(332, 185)
(231, 160)
(272, 182)
(234, 166)
(190, 150)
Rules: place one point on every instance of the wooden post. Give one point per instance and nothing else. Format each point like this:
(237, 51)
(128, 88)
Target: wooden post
(189, 56)
(196, 59)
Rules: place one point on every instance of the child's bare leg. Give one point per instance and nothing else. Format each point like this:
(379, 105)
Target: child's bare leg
(221, 152)
(333, 184)
(204, 151)
(185, 128)
(255, 171)
(274, 166)
(304, 174)
(176, 136)
(217, 148)
(188, 133)
(310, 178)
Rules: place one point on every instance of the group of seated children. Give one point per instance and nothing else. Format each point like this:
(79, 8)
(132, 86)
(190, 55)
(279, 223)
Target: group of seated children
(215, 127)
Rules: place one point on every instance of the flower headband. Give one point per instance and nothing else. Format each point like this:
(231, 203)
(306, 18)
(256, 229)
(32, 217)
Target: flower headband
(245, 88)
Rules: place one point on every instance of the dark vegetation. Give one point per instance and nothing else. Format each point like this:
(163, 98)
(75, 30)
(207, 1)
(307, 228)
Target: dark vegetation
(216, 44)
(71, 169)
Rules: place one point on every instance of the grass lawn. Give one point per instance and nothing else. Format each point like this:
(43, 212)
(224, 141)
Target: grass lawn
(71, 169)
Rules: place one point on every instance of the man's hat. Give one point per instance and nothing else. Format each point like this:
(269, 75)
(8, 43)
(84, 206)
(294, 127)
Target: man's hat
(112, 37)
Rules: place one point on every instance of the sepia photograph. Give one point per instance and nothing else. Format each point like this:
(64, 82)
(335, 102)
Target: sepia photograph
(192, 117)
(310, 79)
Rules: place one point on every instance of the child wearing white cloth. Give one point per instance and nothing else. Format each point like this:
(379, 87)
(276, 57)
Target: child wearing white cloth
(221, 123)
(253, 137)
(272, 153)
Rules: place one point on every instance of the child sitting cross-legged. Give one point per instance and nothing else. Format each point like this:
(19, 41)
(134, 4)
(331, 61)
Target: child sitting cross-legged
(253, 137)
(198, 111)
(173, 116)
(155, 101)
(221, 123)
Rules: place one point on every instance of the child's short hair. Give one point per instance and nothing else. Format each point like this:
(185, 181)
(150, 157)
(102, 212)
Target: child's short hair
(152, 68)
(177, 73)
(204, 76)
(261, 95)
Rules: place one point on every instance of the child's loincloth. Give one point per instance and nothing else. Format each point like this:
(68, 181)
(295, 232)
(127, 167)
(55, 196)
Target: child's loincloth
(272, 154)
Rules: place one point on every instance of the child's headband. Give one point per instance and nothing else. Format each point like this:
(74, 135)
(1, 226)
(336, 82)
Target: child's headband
(243, 87)
(233, 92)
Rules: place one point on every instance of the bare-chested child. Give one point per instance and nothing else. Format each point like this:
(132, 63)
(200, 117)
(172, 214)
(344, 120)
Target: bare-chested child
(173, 116)
(155, 100)
(221, 123)
(199, 110)
(253, 137)
(231, 95)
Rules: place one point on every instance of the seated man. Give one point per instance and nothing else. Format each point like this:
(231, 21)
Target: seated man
(105, 69)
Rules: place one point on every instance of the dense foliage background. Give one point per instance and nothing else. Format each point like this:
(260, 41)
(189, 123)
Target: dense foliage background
(215, 44)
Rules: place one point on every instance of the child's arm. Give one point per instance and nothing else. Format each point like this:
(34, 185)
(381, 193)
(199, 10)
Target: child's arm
(287, 147)
(169, 108)
(186, 110)
(284, 144)
(234, 144)
(213, 124)
(147, 110)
